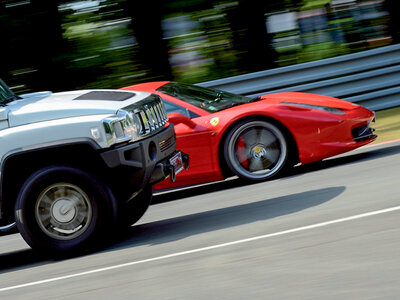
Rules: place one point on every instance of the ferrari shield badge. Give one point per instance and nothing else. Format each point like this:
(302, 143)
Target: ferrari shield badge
(214, 121)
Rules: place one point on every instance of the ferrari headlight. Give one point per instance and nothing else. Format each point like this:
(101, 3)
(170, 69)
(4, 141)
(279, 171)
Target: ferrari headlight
(122, 127)
(332, 110)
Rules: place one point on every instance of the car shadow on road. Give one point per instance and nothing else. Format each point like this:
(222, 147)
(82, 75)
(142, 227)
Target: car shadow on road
(20, 260)
(168, 230)
(198, 190)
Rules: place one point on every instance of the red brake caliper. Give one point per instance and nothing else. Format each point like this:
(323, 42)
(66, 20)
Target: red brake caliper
(241, 152)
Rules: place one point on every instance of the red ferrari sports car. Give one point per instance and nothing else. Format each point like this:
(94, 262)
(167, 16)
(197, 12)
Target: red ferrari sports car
(256, 138)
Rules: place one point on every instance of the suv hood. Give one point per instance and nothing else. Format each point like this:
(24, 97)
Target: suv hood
(45, 106)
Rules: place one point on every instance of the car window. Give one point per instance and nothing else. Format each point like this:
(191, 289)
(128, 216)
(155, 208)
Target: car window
(5, 93)
(172, 107)
(205, 98)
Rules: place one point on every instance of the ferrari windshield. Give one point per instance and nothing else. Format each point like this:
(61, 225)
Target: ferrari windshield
(6, 95)
(208, 99)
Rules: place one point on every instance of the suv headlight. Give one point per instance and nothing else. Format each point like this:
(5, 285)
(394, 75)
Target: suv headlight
(122, 127)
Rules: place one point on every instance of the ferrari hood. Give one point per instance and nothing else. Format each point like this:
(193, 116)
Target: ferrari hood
(45, 106)
(310, 99)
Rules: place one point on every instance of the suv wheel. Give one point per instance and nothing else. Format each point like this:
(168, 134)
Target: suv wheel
(133, 210)
(8, 228)
(63, 208)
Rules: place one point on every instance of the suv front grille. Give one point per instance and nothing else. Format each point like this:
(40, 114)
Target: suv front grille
(150, 114)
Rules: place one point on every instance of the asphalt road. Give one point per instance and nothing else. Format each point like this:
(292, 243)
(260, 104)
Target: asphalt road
(327, 231)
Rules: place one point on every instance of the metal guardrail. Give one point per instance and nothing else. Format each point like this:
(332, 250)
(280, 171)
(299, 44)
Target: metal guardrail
(370, 78)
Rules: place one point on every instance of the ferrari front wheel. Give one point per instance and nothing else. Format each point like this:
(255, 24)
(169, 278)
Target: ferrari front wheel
(256, 150)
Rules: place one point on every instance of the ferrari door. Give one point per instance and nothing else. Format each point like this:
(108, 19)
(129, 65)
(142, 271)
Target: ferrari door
(195, 140)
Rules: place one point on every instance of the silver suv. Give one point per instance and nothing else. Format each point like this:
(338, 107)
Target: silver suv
(75, 165)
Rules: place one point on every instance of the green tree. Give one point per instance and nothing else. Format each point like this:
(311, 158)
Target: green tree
(146, 25)
(250, 37)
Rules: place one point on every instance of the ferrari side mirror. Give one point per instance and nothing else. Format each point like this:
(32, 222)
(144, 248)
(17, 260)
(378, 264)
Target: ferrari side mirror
(178, 118)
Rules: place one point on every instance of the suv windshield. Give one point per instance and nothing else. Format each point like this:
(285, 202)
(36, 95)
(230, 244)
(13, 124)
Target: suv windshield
(204, 98)
(6, 95)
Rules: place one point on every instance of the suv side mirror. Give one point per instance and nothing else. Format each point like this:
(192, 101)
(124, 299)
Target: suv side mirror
(178, 118)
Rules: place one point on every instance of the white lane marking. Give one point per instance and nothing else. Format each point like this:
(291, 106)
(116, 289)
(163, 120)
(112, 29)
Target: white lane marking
(364, 215)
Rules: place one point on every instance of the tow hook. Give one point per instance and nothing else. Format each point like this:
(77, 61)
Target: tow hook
(185, 159)
(169, 169)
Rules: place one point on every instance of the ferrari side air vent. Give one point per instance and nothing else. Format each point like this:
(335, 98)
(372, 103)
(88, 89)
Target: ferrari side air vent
(362, 133)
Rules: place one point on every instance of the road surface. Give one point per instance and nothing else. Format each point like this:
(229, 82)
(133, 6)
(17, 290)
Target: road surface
(329, 230)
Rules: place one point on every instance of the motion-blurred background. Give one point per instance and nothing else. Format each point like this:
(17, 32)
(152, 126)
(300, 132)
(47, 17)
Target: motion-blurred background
(62, 45)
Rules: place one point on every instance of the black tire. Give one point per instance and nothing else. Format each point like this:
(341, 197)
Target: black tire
(10, 228)
(133, 210)
(256, 150)
(64, 209)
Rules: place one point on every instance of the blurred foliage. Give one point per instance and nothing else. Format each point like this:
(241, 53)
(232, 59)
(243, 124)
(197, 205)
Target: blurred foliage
(101, 46)
(95, 43)
(202, 49)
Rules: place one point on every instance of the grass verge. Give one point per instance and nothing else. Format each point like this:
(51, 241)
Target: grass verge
(387, 124)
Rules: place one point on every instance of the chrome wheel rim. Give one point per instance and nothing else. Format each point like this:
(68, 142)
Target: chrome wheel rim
(63, 211)
(257, 150)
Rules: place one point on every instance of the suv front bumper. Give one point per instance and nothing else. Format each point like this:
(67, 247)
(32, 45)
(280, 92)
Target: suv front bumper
(148, 159)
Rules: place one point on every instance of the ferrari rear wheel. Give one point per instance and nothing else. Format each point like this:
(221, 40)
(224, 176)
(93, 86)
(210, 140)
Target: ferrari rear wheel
(256, 150)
